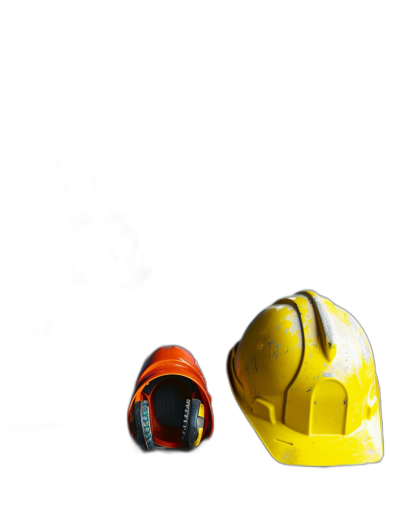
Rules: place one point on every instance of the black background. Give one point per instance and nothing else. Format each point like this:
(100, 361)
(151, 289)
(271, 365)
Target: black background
(176, 228)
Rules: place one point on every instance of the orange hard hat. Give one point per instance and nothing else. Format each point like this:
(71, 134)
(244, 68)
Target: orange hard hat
(171, 406)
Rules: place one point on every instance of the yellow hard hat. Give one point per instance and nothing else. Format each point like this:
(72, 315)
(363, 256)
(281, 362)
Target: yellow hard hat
(304, 376)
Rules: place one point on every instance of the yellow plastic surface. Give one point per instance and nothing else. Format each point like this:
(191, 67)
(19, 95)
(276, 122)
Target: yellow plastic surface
(305, 378)
(201, 415)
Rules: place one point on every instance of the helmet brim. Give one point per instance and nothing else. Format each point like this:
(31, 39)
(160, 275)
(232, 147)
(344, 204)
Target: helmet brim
(365, 445)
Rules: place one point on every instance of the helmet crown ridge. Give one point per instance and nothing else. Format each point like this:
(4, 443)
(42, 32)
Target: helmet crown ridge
(325, 328)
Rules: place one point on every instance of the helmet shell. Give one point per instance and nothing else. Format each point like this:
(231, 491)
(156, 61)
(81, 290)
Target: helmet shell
(172, 360)
(304, 375)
